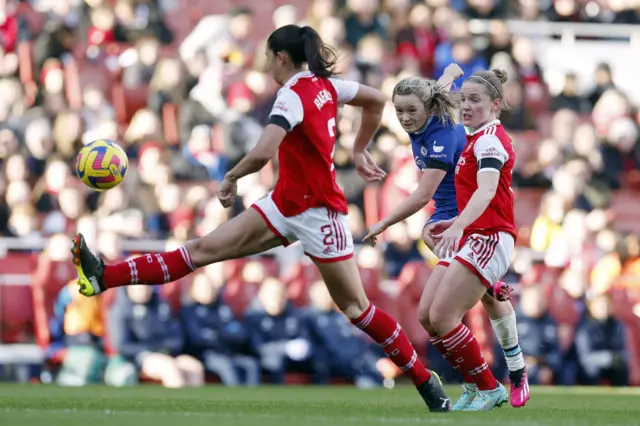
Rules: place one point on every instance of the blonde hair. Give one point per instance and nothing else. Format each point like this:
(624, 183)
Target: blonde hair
(435, 97)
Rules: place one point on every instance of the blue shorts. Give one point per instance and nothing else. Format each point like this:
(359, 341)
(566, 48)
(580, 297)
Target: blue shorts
(439, 215)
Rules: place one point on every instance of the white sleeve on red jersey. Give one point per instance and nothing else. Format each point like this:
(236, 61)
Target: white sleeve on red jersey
(287, 106)
(490, 153)
(346, 89)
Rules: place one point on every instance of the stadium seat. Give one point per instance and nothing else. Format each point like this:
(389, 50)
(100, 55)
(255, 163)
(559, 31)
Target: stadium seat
(128, 100)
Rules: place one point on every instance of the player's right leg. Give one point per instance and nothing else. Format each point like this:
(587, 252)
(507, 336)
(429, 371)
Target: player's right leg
(503, 321)
(244, 235)
(345, 286)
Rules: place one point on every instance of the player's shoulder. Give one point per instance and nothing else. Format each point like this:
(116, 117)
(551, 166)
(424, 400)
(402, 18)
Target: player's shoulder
(493, 131)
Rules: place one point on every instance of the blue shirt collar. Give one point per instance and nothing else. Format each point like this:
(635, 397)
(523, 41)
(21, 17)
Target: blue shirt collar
(425, 126)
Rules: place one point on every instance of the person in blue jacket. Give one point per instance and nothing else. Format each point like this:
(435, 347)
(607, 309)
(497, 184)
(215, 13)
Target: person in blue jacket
(339, 349)
(278, 334)
(215, 336)
(143, 330)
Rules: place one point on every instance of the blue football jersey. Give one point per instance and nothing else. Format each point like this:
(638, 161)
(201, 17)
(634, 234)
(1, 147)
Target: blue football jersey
(440, 142)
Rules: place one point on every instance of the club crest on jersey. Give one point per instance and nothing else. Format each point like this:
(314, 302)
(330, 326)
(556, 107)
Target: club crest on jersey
(323, 97)
(423, 151)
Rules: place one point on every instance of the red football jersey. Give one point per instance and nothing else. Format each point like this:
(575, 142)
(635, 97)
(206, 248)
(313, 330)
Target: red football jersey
(307, 176)
(490, 141)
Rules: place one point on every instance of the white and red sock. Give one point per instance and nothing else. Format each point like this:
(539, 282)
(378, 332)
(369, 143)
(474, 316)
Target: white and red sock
(437, 342)
(149, 269)
(466, 355)
(389, 335)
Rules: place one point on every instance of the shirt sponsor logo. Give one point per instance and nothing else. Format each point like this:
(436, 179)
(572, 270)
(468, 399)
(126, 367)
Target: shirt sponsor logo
(490, 152)
(281, 106)
(437, 148)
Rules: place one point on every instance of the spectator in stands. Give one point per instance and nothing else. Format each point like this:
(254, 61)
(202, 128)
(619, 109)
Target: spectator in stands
(339, 349)
(142, 63)
(400, 250)
(222, 37)
(137, 19)
(600, 345)
(603, 82)
(569, 97)
(77, 328)
(168, 84)
(144, 331)
(538, 337)
(547, 225)
(278, 333)
(364, 19)
(215, 336)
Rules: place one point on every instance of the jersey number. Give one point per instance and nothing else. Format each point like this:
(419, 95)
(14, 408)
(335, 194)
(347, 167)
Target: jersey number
(331, 125)
(328, 239)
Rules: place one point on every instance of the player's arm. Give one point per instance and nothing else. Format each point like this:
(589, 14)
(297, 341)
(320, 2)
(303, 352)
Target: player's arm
(491, 157)
(372, 102)
(419, 198)
(451, 73)
(438, 163)
(287, 113)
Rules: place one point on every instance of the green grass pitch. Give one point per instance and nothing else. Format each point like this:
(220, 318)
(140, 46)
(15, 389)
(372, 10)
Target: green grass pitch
(27, 405)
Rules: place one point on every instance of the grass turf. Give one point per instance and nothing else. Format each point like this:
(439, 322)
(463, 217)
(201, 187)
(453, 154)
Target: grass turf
(26, 405)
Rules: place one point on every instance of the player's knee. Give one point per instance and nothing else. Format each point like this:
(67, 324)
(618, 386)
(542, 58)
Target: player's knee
(441, 319)
(354, 309)
(423, 317)
(206, 250)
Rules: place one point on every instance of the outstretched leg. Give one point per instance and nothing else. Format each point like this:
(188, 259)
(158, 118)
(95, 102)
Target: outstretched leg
(244, 235)
(343, 281)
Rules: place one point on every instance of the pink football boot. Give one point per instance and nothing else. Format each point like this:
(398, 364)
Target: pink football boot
(520, 390)
(501, 291)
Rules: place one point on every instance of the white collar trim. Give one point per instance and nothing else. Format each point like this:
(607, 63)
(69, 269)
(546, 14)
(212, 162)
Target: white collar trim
(489, 124)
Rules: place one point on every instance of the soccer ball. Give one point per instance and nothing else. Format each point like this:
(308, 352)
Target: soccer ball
(101, 164)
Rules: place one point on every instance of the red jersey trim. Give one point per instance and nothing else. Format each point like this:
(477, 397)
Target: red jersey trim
(486, 128)
(330, 259)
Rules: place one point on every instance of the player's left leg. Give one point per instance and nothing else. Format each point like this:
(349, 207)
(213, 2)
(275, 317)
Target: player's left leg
(326, 238)
(479, 263)
(246, 234)
(503, 320)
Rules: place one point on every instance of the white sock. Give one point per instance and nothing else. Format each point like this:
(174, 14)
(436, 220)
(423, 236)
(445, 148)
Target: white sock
(506, 331)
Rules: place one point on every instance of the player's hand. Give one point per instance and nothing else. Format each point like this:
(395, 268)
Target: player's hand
(376, 229)
(367, 167)
(448, 243)
(453, 72)
(436, 228)
(227, 193)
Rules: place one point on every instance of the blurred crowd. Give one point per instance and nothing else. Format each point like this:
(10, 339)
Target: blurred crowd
(182, 86)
